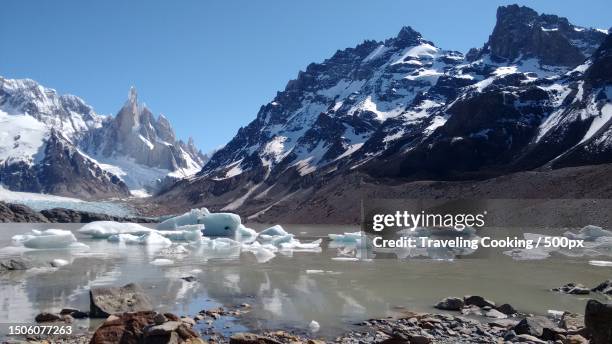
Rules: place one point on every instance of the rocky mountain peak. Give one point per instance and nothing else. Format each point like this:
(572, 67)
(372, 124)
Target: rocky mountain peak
(408, 37)
(520, 32)
(133, 95)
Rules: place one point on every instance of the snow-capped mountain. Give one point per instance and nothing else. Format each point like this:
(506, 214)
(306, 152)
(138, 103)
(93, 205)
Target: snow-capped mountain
(57, 144)
(536, 93)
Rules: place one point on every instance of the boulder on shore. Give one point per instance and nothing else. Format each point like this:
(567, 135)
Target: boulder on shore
(450, 304)
(105, 301)
(478, 301)
(598, 321)
(573, 288)
(141, 328)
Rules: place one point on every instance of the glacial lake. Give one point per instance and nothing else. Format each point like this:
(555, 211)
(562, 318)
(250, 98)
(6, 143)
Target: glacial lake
(293, 288)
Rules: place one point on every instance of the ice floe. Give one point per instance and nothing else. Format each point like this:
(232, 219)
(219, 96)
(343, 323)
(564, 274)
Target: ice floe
(602, 263)
(162, 262)
(56, 263)
(215, 224)
(192, 217)
(105, 229)
(597, 242)
(48, 239)
(150, 239)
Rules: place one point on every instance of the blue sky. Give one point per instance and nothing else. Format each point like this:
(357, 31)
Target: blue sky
(209, 65)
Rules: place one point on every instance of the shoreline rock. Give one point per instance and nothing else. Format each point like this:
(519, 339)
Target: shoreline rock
(105, 301)
(18, 213)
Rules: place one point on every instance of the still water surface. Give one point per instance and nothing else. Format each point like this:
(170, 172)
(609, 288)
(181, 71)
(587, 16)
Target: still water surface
(285, 292)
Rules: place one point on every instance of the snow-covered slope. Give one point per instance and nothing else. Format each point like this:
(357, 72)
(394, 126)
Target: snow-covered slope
(57, 144)
(407, 108)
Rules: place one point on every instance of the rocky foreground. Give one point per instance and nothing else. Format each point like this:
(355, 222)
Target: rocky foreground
(128, 319)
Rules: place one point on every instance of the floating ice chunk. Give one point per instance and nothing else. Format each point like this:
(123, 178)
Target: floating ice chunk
(177, 250)
(152, 238)
(184, 233)
(56, 263)
(104, 229)
(48, 239)
(602, 263)
(314, 271)
(221, 225)
(245, 233)
(263, 254)
(346, 237)
(314, 326)
(294, 244)
(589, 233)
(162, 262)
(123, 238)
(276, 230)
(282, 239)
(218, 243)
(192, 217)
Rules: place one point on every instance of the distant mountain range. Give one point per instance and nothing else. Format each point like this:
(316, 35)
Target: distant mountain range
(57, 144)
(535, 96)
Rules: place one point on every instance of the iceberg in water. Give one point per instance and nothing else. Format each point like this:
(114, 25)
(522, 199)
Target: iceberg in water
(277, 230)
(184, 233)
(597, 242)
(221, 224)
(48, 239)
(105, 229)
(212, 235)
(192, 217)
(215, 224)
(588, 233)
(150, 239)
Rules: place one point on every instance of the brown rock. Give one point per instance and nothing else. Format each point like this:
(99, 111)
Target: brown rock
(571, 321)
(251, 338)
(111, 300)
(575, 339)
(126, 328)
(47, 317)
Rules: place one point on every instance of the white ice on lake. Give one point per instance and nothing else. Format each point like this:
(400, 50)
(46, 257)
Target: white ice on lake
(48, 239)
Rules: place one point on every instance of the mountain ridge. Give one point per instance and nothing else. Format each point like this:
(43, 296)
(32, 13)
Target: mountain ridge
(58, 144)
(405, 108)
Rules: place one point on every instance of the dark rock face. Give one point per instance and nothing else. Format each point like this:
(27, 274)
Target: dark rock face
(62, 215)
(598, 321)
(105, 301)
(521, 32)
(64, 171)
(19, 213)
